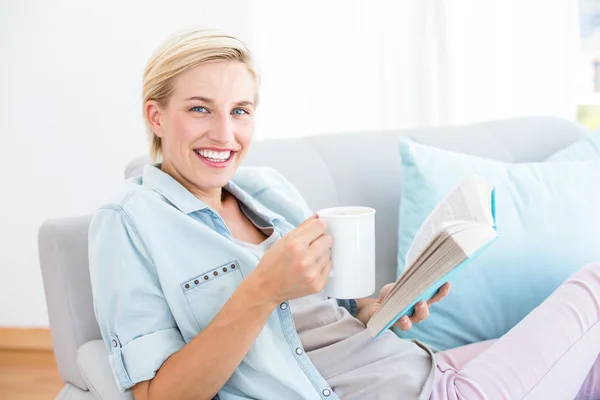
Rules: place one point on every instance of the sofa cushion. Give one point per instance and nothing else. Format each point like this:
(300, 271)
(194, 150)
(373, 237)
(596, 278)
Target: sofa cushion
(584, 149)
(548, 218)
(98, 375)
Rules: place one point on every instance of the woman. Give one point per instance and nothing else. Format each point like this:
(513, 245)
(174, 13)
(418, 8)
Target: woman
(207, 283)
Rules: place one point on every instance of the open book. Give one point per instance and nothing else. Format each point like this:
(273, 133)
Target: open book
(460, 227)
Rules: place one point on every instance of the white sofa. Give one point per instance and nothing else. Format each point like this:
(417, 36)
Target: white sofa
(360, 168)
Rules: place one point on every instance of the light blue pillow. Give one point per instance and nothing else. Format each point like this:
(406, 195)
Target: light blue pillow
(585, 149)
(548, 221)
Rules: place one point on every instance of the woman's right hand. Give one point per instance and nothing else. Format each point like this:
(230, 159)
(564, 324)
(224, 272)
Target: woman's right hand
(298, 264)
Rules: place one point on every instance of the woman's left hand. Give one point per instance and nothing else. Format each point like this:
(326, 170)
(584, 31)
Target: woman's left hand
(421, 308)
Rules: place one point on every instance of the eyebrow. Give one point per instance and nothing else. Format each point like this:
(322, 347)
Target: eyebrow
(211, 101)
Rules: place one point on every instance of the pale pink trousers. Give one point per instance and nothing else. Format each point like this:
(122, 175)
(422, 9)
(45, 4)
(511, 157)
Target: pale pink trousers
(552, 354)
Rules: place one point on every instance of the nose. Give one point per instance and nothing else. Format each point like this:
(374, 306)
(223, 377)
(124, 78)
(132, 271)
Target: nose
(221, 130)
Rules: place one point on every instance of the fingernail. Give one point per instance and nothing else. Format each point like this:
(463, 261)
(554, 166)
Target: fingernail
(404, 319)
(421, 304)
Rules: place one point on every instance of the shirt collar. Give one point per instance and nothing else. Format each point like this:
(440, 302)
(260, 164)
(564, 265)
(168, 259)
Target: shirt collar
(154, 178)
(255, 206)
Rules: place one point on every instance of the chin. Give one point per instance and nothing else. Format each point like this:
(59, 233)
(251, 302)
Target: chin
(212, 182)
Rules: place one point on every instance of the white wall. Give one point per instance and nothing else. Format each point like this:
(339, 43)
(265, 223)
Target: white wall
(70, 116)
(70, 88)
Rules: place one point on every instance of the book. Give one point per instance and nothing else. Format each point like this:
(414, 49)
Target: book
(458, 229)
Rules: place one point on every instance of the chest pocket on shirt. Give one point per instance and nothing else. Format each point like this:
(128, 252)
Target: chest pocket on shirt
(208, 292)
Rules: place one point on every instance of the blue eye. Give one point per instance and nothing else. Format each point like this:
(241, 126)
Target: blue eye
(239, 111)
(199, 109)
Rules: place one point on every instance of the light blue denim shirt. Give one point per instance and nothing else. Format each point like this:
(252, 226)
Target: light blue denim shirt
(162, 265)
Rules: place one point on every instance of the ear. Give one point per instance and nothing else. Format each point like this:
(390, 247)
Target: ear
(153, 114)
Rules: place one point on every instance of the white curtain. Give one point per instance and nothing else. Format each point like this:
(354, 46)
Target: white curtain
(71, 82)
(335, 66)
(510, 58)
(338, 65)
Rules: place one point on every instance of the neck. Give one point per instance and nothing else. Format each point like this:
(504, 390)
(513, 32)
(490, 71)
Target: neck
(214, 198)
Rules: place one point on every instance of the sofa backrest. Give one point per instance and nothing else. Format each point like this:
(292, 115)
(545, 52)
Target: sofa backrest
(360, 168)
(364, 169)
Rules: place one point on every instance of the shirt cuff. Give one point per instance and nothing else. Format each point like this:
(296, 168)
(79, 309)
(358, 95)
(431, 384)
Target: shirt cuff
(349, 304)
(139, 359)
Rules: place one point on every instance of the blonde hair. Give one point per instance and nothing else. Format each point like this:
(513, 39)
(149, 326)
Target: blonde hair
(180, 53)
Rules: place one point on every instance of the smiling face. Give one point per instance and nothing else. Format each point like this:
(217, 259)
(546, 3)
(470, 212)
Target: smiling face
(207, 125)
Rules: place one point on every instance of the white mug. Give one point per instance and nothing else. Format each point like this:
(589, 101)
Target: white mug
(353, 251)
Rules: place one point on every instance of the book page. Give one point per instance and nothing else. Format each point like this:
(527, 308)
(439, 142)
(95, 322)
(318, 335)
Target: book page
(470, 200)
(457, 242)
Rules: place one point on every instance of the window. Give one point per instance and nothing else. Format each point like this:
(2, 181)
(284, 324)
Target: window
(588, 107)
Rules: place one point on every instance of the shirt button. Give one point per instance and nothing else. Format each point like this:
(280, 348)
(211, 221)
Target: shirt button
(298, 351)
(114, 343)
(283, 306)
(326, 392)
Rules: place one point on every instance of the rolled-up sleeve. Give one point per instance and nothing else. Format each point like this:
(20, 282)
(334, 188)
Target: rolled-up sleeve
(134, 318)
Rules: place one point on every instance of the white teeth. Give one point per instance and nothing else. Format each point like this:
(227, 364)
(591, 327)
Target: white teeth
(215, 155)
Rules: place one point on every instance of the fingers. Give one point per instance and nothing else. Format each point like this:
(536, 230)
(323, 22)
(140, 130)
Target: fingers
(309, 230)
(422, 309)
(323, 263)
(440, 294)
(321, 244)
(326, 270)
(374, 308)
(300, 229)
(384, 292)
(320, 247)
(321, 257)
(307, 222)
(421, 312)
(404, 323)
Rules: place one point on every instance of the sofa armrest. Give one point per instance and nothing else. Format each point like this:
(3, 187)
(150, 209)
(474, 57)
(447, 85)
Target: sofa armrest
(92, 359)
